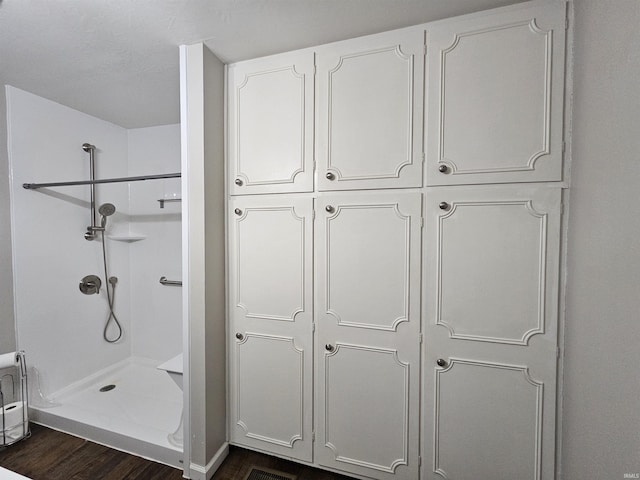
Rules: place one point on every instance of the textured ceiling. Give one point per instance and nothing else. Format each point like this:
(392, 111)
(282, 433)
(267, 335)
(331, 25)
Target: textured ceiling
(118, 59)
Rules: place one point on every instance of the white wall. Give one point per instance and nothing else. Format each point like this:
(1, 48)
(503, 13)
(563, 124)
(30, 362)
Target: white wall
(202, 118)
(7, 330)
(156, 310)
(58, 326)
(601, 429)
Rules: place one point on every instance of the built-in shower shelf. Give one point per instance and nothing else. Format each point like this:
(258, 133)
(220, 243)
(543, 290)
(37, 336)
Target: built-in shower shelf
(126, 238)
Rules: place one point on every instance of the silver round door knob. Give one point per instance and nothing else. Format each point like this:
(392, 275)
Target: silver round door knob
(330, 176)
(329, 348)
(238, 182)
(239, 336)
(444, 206)
(237, 211)
(441, 362)
(329, 209)
(442, 168)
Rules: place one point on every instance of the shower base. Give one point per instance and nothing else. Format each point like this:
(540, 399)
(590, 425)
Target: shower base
(135, 413)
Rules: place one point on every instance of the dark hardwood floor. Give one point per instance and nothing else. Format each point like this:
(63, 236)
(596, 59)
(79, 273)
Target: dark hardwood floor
(52, 455)
(239, 462)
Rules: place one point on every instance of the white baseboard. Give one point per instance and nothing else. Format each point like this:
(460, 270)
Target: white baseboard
(199, 472)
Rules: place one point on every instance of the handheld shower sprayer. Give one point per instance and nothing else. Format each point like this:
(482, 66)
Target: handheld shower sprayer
(106, 210)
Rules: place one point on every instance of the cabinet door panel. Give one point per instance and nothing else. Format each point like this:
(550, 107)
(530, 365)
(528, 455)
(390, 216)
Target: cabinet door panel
(368, 242)
(370, 111)
(497, 427)
(495, 97)
(492, 283)
(274, 366)
(492, 261)
(367, 316)
(270, 282)
(375, 405)
(271, 124)
(270, 288)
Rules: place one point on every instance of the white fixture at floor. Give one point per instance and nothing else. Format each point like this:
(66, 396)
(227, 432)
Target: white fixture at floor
(9, 475)
(174, 367)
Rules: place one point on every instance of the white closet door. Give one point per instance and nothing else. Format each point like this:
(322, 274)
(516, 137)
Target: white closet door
(495, 97)
(368, 344)
(270, 124)
(270, 292)
(491, 310)
(369, 112)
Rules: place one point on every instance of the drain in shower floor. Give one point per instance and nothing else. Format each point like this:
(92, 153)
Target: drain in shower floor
(106, 388)
(266, 474)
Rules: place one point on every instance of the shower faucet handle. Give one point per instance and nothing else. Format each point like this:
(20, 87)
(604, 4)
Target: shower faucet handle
(90, 284)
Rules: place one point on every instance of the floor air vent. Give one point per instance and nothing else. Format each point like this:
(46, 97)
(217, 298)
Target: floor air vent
(265, 474)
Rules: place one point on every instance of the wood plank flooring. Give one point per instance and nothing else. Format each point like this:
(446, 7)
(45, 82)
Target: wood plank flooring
(52, 455)
(237, 465)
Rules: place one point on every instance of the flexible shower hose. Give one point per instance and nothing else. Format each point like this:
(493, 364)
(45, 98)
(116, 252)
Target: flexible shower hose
(111, 298)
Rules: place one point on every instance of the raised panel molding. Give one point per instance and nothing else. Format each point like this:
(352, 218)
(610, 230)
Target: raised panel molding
(245, 177)
(539, 327)
(334, 445)
(302, 275)
(404, 315)
(539, 397)
(238, 382)
(394, 52)
(525, 163)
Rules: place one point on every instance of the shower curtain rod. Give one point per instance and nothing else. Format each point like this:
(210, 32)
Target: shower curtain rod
(35, 186)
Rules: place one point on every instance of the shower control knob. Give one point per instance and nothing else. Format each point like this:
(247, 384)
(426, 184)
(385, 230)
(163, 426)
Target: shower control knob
(442, 168)
(329, 209)
(238, 182)
(441, 362)
(238, 211)
(329, 348)
(90, 285)
(444, 206)
(330, 176)
(239, 336)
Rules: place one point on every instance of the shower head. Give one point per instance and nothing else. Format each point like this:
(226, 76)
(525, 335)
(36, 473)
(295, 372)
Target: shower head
(107, 209)
(88, 147)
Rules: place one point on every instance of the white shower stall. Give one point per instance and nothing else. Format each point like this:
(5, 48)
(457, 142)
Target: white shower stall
(59, 327)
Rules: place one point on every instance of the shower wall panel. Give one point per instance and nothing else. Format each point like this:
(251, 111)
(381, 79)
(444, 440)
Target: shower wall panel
(156, 310)
(59, 327)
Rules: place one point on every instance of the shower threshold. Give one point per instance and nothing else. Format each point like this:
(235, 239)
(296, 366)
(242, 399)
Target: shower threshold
(135, 416)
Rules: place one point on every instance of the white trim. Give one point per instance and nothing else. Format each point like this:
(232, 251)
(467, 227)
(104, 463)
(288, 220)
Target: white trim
(198, 472)
(184, 154)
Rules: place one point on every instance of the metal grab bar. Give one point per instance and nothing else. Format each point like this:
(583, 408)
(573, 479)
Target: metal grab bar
(176, 283)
